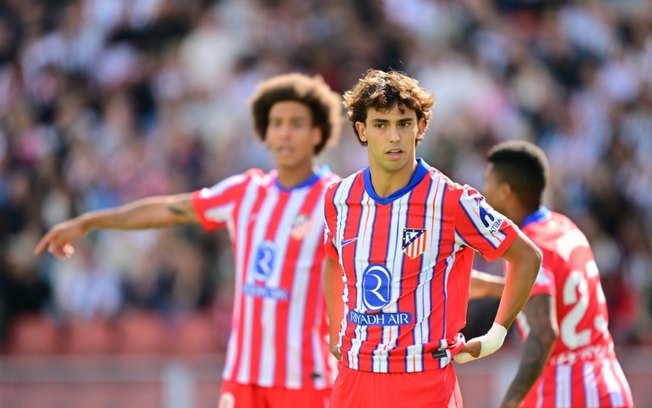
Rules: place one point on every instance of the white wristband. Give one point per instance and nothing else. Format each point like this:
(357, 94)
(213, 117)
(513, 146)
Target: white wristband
(489, 344)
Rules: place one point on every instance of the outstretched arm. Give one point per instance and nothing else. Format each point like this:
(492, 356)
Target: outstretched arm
(542, 320)
(525, 260)
(153, 212)
(333, 289)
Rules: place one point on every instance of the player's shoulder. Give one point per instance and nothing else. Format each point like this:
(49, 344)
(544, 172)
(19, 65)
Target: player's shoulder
(257, 176)
(346, 181)
(438, 176)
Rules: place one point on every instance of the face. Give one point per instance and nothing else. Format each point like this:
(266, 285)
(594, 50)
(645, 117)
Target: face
(494, 191)
(391, 138)
(291, 136)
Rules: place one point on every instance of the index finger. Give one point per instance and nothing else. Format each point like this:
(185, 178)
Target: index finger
(40, 247)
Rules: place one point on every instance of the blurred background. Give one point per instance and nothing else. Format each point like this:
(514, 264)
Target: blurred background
(106, 101)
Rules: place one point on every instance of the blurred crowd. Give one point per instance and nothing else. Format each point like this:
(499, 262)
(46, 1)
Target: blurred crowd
(106, 101)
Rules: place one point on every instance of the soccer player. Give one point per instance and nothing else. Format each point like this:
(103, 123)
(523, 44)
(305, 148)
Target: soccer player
(568, 358)
(277, 354)
(400, 237)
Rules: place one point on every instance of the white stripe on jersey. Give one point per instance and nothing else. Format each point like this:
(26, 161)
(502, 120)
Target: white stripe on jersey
(592, 398)
(540, 394)
(563, 384)
(613, 387)
(248, 201)
(298, 306)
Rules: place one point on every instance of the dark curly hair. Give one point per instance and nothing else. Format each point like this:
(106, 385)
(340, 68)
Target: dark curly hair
(522, 165)
(383, 90)
(324, 104)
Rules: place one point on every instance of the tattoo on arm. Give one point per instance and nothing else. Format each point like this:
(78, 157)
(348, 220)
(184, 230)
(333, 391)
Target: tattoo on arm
(177, 210)
(539, 311)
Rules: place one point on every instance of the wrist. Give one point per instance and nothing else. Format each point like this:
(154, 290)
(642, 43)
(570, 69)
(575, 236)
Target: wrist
(493, 340)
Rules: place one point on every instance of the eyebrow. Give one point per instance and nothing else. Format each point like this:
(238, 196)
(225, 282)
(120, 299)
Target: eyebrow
(403, 120)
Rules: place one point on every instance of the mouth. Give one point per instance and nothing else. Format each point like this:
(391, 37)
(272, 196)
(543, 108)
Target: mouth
(284, 150)
(394, 153)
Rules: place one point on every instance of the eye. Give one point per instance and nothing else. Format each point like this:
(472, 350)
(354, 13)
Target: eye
(380, 125)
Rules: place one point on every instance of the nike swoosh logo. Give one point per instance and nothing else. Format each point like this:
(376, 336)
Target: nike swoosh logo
(348, 241)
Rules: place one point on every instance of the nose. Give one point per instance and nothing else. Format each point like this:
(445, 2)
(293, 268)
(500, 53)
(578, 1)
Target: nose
(393, 134)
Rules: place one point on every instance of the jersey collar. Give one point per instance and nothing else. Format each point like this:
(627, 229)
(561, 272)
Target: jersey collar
(418, 175)
(542, 214)
(314, 177)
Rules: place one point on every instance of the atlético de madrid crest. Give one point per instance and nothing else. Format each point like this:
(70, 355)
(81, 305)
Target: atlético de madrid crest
(300, 227)
(414, 242)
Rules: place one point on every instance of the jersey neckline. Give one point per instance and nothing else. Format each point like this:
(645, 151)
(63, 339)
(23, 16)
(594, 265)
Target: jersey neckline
(418, 175)
(541, 214)
(322, 170)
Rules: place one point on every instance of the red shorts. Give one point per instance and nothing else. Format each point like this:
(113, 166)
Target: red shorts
(234, 395)
(361, 389)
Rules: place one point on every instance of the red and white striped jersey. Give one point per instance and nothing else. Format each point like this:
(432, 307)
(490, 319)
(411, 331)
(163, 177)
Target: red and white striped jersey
(279, 326)
(407, 263)
(582, 369)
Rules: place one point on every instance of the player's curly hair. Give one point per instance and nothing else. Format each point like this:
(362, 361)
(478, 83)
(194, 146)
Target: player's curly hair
(382, 91)
(524, 166)
(324, 104)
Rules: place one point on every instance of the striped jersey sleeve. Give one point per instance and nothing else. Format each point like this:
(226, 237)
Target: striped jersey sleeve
(482, 228)
(214, 205)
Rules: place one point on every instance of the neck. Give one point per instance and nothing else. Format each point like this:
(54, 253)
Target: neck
(291, 177)
(386, 182)
(517, 214)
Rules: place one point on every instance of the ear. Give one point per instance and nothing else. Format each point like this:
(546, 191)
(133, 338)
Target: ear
(316, 135)
(505, 189)
(421, 129)
(360, 127)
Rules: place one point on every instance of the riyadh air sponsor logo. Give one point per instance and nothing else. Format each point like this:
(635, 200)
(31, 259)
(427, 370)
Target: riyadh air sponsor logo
(380, 319)
(254, 290)
(376, 287)
(414, 241)
(264, 261)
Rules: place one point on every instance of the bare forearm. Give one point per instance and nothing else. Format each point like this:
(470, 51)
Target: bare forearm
(533, 358)
(333, 288)
(154, 212)
(541, 317)
(525, 261)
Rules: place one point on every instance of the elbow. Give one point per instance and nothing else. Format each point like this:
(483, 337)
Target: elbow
(537, 257)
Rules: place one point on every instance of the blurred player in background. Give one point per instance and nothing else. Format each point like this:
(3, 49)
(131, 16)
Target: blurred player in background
(400, 239)
(276, 356)
(568, 358)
